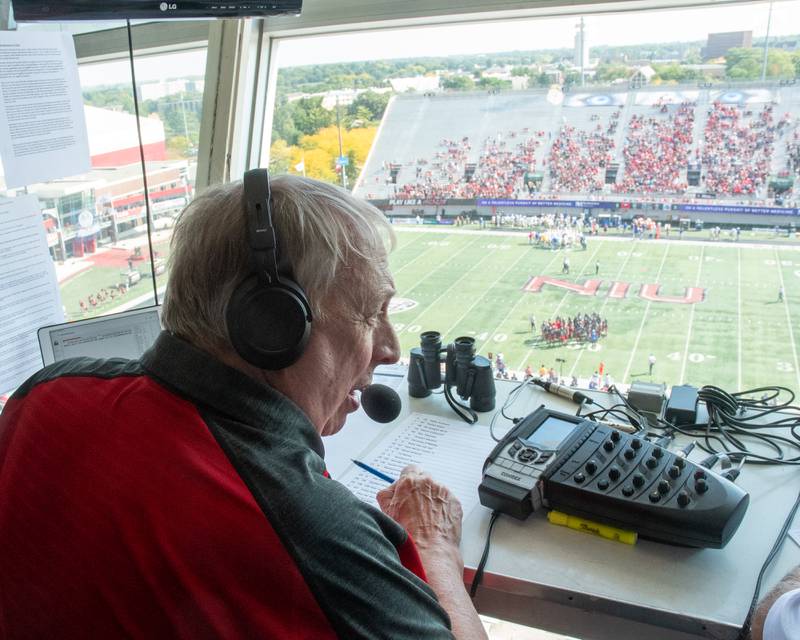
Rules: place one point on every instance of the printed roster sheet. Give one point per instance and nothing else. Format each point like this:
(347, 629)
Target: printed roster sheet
(451, 451)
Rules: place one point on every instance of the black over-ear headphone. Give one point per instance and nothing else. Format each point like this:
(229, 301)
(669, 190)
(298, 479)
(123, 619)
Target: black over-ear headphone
(268, 316)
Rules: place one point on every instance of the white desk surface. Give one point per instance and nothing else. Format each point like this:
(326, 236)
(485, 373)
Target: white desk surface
(570, 582)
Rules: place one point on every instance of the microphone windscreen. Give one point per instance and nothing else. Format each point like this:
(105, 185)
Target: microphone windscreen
(381, 403)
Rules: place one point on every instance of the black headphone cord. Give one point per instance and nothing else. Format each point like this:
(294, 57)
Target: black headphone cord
(476, 580)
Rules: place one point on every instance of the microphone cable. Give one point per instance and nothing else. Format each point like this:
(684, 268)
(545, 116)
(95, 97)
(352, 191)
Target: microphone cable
(478, 577)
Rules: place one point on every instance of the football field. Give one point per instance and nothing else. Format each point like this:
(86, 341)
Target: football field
(486, 284)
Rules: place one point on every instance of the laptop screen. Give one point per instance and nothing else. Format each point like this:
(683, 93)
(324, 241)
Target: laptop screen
(121, 335)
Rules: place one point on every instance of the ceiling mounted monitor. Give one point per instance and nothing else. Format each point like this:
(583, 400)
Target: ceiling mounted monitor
(148, 9)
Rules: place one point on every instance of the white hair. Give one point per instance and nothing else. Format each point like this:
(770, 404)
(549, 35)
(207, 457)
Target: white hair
(324, 232)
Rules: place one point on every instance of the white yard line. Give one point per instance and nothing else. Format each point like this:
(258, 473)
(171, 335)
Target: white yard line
(432, 304)
(691, 319)
(432, 271)
(510, 311)
(413, 260)
(521, 365)
(632, 246)
(644, 318)
(739, 314)
(788, 317)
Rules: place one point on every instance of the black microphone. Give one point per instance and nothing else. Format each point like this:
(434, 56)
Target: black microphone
(381, 403)
(564, 392)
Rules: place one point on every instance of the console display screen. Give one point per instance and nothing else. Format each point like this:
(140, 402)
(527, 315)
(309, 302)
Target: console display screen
(551, 433)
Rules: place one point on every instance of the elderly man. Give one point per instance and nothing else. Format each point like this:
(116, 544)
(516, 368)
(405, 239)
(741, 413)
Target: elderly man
(185, 494)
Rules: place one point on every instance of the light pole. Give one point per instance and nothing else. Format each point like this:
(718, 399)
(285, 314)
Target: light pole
(341, 156)
(766, 45)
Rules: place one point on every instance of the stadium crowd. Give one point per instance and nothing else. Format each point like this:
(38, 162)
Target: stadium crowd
(578, 159)
(793, 153)
(498, 172)
(734, 156)
(737, 149)
(657, 150)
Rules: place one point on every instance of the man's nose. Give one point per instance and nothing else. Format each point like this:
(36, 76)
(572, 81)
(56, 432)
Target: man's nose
(389, 346)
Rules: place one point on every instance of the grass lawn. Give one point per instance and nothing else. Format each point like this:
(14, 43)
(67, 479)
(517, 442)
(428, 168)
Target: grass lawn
(466, 282)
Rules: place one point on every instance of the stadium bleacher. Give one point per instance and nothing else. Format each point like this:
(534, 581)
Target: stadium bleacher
(478, 145)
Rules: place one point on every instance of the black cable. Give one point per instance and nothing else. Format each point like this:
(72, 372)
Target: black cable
(144, 166)
(735, 424)
(462, 410)
(476, 580)
(744, 632)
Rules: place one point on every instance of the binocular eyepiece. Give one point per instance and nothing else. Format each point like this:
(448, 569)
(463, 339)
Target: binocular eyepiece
(469, 373)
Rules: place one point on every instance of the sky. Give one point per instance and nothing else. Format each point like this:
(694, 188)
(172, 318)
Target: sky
(544, 33)
(485, 37)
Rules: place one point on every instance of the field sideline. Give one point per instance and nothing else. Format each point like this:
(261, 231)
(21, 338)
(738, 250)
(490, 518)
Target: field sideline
(739, 336)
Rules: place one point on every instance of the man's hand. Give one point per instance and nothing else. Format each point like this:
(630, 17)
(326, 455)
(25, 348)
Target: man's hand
(432, 515)
(427, 510)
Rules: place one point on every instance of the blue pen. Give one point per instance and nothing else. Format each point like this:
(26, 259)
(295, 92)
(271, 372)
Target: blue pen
(373, 471)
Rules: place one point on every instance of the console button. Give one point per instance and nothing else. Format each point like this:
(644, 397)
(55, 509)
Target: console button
(658, 452)
(527, 455)
(701, 486)
(602, 484)
(663, 487)
(636, 443)
(627, 491)
(629, 454)
(615, 436)
(591, 467)
(614, 473)
(638, 480)
(651, 463)
(579, 478)
(655, 496)
(683, 499)
(674, 471)
(608, 445)
(680, 463)
(700, 475)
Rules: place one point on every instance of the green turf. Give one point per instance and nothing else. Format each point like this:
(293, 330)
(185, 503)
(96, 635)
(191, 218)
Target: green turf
(738, 337)
(470, 283)
(90, 281)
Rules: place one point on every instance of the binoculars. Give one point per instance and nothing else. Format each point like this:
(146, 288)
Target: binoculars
(469, 373)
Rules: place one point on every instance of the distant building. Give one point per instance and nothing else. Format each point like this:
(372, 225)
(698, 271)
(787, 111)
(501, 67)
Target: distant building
(709, 70)
(162, 88)
(641, 77)
(113, 140)
(417, 83)
(718, 44)
(343, 96)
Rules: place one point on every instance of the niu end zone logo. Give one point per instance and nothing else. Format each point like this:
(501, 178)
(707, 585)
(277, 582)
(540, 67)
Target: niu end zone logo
(396, 305)
(168, 6)
(649, 292)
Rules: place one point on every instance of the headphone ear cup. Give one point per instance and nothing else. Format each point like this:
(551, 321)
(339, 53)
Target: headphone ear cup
(269, 326)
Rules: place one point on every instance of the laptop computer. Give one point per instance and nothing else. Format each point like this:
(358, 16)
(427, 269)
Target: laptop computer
(118, 335)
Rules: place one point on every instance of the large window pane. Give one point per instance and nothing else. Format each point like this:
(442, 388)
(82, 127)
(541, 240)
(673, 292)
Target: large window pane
(581, 194)
(108, 256)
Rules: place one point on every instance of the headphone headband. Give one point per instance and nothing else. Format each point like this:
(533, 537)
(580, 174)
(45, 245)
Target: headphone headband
(268, 316)
(261, 233)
